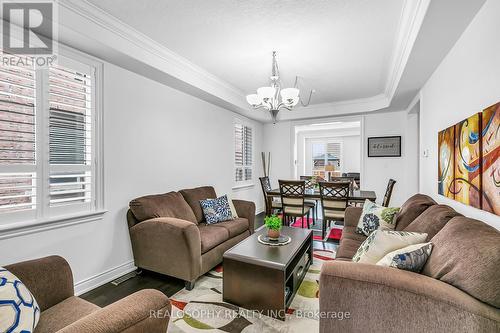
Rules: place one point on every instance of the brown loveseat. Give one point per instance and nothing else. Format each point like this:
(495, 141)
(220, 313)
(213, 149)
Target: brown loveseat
(457, 291)
(50, 280)
(169, 235)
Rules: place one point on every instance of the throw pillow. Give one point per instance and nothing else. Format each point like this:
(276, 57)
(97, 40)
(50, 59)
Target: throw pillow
(381, 242)
(411, 258)
(231, 205)
(376, 217)
(216, 210)
(20, 312)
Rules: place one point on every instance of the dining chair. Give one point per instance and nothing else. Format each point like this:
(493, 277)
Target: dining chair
(355, 175)
(334, 200)
(388, 193)
(292, 198)
(312, 202)
(349, 179)
(271, 204)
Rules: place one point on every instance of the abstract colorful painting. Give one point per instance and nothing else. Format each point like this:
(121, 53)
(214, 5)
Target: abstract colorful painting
(491, 159)
(469, 161)
(467, 184)
(446, 160)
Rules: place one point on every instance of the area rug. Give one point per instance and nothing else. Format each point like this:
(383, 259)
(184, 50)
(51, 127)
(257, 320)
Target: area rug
(333, 233)
(202, 309)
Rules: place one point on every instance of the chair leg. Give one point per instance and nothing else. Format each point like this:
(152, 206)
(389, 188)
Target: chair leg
(308, 226)
(323, 227)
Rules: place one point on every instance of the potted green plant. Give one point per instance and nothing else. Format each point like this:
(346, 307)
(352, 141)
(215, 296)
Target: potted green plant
(273, 224)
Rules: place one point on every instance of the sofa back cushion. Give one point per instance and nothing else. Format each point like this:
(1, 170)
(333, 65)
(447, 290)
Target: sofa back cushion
(193, 197)
(466, 254)
(411, 209)
(171, 204)
(432, 220)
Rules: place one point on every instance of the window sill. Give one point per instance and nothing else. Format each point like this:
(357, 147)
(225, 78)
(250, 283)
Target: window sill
(29, 227)
(243, 186)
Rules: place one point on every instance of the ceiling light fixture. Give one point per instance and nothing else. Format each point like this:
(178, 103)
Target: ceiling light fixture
(269, 97)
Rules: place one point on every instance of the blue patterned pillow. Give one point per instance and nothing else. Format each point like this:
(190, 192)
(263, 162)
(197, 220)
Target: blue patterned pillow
(19, 311)
(410, 258)
(216, 210)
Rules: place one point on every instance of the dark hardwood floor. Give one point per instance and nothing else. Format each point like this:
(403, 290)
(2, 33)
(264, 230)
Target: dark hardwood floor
(109, 293)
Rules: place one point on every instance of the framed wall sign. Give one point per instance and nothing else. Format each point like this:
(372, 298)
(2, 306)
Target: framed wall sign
(384, 146)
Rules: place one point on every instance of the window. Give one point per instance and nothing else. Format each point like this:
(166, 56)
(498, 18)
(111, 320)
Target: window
(243, 153)
(325, 155)
(48, 140)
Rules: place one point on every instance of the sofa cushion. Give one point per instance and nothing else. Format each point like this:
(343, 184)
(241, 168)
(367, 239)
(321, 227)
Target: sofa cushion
(170, 204)
(350, 233)
(234, 227)
(376, 217)
(216, 210)
(19, 310)
(432, 220)
(411, 209)
(63, 314)
(193, 197)
(466, 254)
(211, 236)
(347, 248)
(410, 258)
(381, 242)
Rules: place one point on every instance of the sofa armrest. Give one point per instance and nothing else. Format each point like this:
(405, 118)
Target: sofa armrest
(246, 209)
(392, 300)
(352, 215)
(49, 279)
(147, 310)
(169, 246)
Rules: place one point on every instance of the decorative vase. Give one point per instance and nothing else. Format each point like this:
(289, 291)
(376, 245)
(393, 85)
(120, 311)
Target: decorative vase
(273, 234)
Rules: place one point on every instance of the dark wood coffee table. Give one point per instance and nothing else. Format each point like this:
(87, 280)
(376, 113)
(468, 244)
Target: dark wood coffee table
(266, 278)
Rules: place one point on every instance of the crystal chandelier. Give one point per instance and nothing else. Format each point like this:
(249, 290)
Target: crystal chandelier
(273, 98)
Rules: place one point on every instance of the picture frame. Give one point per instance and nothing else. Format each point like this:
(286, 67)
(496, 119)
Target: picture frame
(384, 146)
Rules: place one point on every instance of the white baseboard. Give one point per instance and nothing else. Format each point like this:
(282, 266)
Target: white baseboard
(97, 280)
(259, 210)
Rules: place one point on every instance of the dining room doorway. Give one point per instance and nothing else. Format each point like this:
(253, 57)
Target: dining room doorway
(328, 149)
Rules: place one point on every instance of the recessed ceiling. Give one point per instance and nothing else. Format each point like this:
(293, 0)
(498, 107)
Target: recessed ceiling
(341, 48)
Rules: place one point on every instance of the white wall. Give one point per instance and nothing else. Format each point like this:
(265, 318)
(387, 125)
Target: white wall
(278, 140)
(466, 82)
(378, 170)
(156, 139)
(351, 154)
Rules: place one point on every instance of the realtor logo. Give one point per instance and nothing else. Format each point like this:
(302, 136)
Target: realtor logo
(28, 27)
(29, 32)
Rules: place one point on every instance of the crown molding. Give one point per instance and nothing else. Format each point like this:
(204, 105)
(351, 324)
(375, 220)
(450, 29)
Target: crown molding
(217, 91)
(412, 17)
(355, 106)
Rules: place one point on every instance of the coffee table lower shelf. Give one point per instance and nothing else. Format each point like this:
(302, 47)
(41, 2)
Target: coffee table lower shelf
(255, 282)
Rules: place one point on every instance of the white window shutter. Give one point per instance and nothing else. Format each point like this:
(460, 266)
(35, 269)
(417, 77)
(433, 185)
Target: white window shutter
(243, 152)
(17, 138)
(70, 137)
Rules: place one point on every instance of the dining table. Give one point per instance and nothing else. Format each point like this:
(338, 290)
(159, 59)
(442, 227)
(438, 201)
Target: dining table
(355, 196)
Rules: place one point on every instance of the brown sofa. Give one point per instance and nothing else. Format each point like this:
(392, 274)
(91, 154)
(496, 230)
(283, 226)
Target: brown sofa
(50, 280)
(458, 289)
(169, 234)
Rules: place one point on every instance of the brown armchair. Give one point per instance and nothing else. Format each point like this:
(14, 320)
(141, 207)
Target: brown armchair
(50, 280)
(169, 234)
